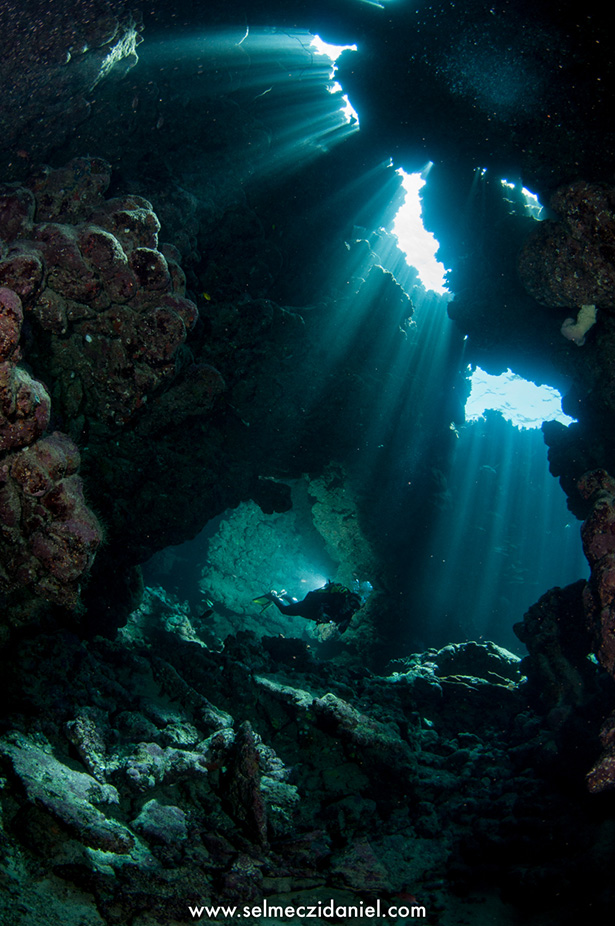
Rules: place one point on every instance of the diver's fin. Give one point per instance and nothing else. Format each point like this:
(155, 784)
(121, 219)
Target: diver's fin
(265, 601)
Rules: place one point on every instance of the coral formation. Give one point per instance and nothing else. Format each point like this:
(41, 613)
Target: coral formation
(25, 402)
(50, 536)
(598, 534)
(559, 673)
(575, 329)
(110, 305)
(566, 261)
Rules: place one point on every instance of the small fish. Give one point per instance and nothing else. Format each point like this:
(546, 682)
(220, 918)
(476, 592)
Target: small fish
(404, 898)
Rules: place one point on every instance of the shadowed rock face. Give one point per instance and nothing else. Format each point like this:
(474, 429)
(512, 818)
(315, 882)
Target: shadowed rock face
(52, 61)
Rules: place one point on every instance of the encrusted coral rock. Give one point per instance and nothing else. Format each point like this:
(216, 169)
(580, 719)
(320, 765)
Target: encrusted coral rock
(68, 193)
(131, 220)
(602, 775)
(161, 823)
(71, 797)
(24, 403)
(89, 271)
(23, 270)
(598, 535)
(244, 785)
(11, 318)
(568, 262)
(478, 660)
(150, 765)
(360, 868)
(362, 732)
(85, 734)
(24, 408)
(49, 535)
(558, 671)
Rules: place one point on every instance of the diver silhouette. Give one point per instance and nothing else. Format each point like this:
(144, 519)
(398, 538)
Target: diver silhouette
(333, 603)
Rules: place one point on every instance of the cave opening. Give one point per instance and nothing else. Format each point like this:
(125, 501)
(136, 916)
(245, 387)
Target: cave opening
(520, 401)
(419, 245)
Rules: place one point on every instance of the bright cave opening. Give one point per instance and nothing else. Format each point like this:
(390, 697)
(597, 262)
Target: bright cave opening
(520, 401)
(333, 52)
(529, 201)
(418, 244)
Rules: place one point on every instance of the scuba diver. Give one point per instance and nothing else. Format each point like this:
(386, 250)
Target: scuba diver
(333, 603)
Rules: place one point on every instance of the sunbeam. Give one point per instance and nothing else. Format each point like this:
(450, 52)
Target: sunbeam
(284, 79)
(503, 535)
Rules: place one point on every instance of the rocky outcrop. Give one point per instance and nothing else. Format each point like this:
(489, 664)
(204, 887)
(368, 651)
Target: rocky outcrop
(109, 305)
(567, 261)
(598, 533)
(159, 771)
(49, 535)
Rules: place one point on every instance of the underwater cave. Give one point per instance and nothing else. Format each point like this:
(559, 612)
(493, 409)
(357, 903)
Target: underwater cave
(307, 462)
